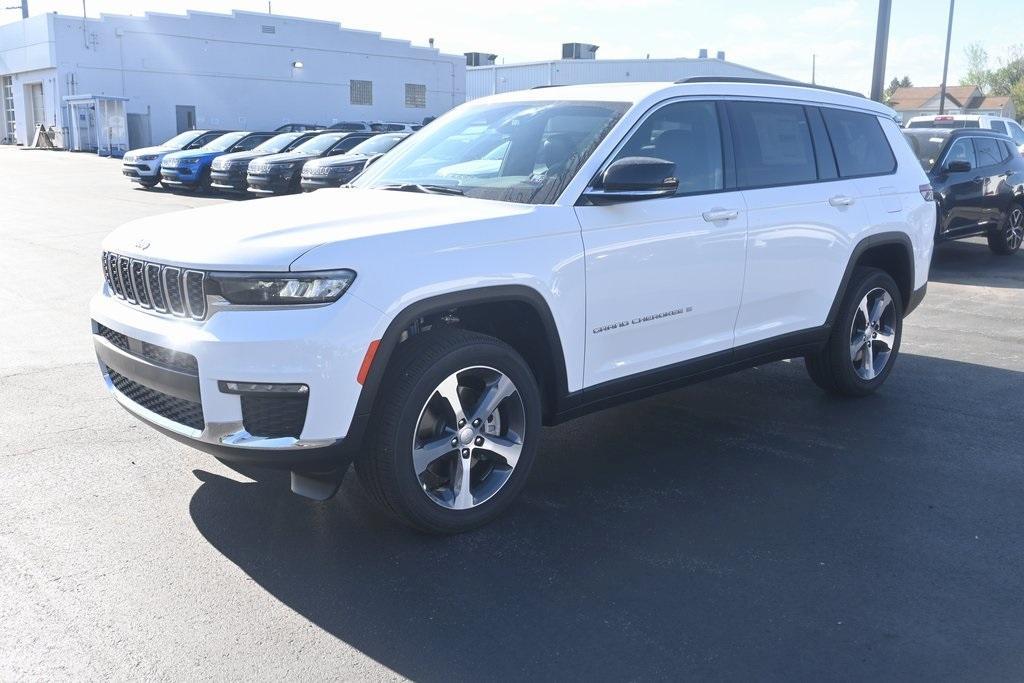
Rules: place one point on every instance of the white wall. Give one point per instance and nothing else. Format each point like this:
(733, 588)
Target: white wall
(233, 72)
(488, 80)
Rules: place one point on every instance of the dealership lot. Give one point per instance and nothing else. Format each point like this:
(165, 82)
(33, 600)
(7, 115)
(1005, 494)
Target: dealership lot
(746, 527)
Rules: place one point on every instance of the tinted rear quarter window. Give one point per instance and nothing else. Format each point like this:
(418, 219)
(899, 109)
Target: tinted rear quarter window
(773, 144)
(859, 143)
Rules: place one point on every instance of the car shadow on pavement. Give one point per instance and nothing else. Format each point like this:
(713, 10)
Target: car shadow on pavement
(971, 262)
(750, 527)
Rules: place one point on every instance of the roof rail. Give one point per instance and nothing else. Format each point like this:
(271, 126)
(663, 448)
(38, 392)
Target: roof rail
(765, 81)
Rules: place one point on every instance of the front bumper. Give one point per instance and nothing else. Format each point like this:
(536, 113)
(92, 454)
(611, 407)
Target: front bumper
(310, 183)
(272, 183)
(232, 181)
(141, 171)
(180, 177)
(315, 346)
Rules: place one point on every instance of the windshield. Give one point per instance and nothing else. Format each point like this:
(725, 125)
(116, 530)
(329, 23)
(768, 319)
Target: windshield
(378, 144)
(927, 144)
(278, 143)
(224, 141)
(319, 144)
(945, 123)
(524, 152)
(182, 139)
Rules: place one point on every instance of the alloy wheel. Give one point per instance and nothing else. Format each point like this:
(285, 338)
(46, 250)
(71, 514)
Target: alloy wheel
(1015, 229)
(469, 437)
(872, 334)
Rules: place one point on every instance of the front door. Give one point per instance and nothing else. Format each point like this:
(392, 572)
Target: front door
(185, 117)
(962, 191)
(664, 275)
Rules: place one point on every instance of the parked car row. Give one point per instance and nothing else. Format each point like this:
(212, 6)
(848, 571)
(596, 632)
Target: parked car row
(257, 162)
(356, 126)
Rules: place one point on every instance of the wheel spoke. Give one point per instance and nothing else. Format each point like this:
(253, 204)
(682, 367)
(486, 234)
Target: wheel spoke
(881, 303)
(426, 454)
(887, 337)
(462, 496)
(507, 449)
(855, 346)
(869, 361)
(495, 393)
(863, 308)
(449, 391)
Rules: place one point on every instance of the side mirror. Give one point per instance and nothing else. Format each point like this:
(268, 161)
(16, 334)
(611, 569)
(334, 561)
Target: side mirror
(634, 178)
(958, 166)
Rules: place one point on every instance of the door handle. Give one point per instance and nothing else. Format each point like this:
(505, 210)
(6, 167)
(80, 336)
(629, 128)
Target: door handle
(840, 200)
(715, 215)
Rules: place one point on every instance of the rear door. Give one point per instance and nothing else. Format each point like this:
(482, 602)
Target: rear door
(992, 167)
(802, 218)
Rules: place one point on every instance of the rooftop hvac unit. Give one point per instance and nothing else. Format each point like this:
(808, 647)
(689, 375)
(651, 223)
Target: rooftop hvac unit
(479, 59)
(578, 51)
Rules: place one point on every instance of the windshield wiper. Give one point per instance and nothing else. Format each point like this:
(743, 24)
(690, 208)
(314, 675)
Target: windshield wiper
(425, 189)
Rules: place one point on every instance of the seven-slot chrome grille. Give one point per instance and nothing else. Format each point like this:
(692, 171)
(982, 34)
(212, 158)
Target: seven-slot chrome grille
(164, 289)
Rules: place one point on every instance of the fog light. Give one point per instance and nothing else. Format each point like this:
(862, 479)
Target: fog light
(261, 388)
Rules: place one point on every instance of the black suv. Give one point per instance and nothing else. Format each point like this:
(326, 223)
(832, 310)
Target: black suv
(978, 179)
(280, 173)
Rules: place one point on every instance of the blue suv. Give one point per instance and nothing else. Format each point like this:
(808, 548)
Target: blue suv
(190, 170)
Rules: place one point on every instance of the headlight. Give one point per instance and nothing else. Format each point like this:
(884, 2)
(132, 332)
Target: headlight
(147, 157)
(285, 289)
(190, 162)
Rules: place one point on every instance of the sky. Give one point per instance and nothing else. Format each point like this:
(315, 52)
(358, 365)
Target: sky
(778, 36)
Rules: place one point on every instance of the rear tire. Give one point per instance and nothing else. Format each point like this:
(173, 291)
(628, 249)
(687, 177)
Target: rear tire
(1007, 238)
(423, 465)
(865, 338)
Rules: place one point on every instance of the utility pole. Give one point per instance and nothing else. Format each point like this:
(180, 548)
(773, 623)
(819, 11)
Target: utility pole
(881, 48)
(945, 62)
(814, 68)
(24, 9)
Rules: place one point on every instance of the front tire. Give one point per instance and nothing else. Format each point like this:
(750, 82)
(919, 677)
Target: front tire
(1007, 238)
(456, 428)
(865, 339)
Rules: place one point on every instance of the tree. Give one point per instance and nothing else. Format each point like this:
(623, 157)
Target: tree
(977, 67)
(894, 84)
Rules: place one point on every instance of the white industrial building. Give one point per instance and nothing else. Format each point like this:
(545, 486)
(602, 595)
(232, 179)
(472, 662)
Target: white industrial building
(579, 65)
(242, 70)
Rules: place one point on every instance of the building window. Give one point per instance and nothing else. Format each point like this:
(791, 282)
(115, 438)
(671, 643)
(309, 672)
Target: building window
(7, 93)
(415, 95)
(360, 92)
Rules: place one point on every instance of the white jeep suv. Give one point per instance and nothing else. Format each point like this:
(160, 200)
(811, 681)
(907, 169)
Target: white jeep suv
(634, 238)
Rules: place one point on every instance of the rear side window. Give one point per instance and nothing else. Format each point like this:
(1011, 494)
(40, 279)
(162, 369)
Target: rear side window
(859, 143)
(685, 133)
(773, 144)
(998, 126)
(1017, 133)
(987, 151)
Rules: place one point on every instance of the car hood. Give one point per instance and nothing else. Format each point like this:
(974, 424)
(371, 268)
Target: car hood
(342, 160)
(192, 154)
(287, 157)
(270, 234)
(151, 150)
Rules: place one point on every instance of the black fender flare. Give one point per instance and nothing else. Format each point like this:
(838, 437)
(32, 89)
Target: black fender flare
(869, 242)
(439, 304)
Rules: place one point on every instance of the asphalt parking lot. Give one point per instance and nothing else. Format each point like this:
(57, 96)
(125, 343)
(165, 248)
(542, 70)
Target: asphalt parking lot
(746, 528)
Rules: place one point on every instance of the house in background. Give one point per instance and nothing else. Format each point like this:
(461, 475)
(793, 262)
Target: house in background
(960, 99)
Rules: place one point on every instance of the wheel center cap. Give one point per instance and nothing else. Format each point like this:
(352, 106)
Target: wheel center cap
(466, 435)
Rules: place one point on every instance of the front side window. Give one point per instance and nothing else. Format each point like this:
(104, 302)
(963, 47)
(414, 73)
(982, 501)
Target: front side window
(347, 144)
(687, 134)
(859, 143)
(773, 144)
(987, 151)
(547, 142)
(250, 142)
(203, 140)
(962, 150)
